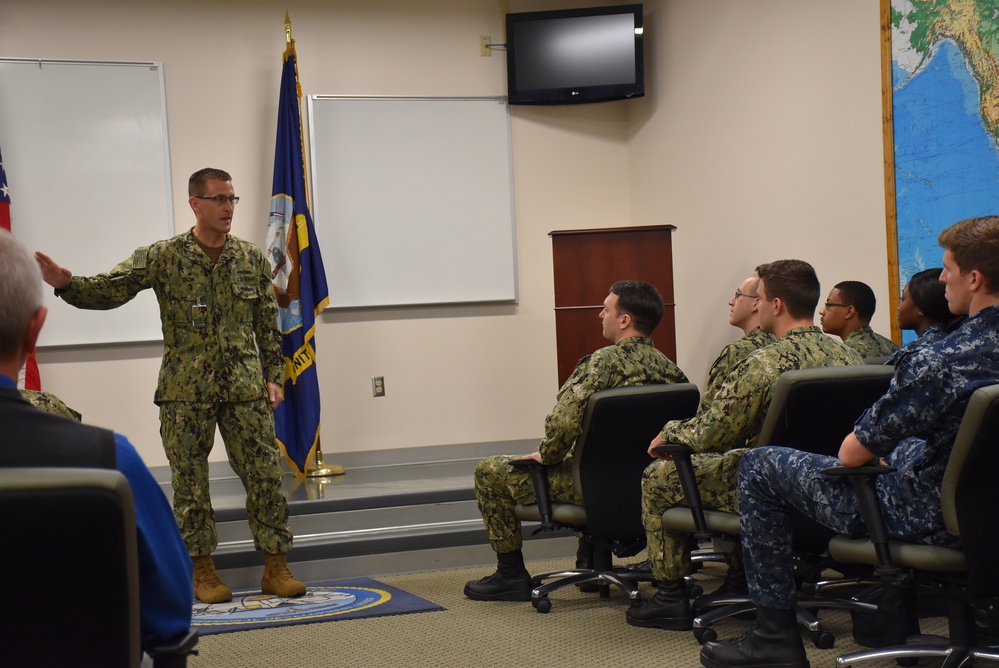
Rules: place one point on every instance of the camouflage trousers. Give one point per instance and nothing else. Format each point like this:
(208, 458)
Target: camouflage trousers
(717, 475)
(247, 428)
(775, 481)
(499, 488)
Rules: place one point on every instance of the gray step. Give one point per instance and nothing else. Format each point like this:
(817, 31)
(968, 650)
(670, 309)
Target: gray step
(393, 511)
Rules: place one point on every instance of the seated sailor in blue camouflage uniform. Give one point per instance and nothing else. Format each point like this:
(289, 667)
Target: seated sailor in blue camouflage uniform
(847, 314)
(912, 428)
(788, 292)
(631, 312)
(923, 309)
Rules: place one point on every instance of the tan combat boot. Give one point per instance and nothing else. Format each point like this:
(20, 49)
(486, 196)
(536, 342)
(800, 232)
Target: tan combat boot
(277, 579)
(208, 588)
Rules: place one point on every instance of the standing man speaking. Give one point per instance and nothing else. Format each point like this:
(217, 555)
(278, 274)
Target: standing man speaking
(222, 365)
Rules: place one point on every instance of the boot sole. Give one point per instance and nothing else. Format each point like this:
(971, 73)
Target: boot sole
(665, 623)
(499, 596)
(708, 663)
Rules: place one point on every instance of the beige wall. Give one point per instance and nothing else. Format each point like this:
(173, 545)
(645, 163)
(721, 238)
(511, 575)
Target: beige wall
(760, 139)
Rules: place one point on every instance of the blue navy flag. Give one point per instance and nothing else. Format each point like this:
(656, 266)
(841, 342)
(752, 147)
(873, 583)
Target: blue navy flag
(299, 277)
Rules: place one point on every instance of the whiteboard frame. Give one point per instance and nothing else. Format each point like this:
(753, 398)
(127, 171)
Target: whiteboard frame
(53, 203)
(412, 271)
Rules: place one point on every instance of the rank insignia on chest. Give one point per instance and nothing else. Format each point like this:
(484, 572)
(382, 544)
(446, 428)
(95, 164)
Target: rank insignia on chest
(139, 258)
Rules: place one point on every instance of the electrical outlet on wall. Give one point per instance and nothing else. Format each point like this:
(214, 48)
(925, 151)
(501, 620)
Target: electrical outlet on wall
(378, 386)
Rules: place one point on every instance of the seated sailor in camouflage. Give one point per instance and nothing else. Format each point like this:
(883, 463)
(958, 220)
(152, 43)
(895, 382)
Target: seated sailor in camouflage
(788, 293)
(631, 312)
(744, 313)
(50, 403)
(926, 400)
(923, 309)
(847, 314)
(222, 365)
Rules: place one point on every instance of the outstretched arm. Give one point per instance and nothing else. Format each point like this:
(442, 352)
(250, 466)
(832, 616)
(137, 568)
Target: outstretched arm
(53, 274)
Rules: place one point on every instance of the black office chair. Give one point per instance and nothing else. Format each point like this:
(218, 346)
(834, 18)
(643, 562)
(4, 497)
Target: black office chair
(72, 580)
(608, 459)
(966, 575)
(812, 410)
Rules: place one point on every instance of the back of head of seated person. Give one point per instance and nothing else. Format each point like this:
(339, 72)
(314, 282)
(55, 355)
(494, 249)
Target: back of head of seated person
(31, 437)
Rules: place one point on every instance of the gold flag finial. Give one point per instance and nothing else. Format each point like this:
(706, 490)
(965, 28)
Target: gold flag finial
(287, 27)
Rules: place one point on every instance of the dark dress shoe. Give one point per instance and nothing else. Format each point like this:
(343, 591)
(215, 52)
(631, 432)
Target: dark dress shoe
(496, 587)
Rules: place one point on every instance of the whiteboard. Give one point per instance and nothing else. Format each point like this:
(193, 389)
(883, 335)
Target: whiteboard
(84, 147)
(413, 199)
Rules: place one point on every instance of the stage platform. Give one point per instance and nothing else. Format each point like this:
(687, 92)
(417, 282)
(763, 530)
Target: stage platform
(393, 511)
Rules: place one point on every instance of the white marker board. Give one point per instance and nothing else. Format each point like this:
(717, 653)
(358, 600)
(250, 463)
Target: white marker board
(413, 199)
(85, 150)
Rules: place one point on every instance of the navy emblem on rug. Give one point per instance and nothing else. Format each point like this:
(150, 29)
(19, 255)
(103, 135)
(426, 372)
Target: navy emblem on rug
(323, 602)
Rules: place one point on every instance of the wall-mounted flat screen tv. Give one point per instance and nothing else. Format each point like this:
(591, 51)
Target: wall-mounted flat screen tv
(575, 56)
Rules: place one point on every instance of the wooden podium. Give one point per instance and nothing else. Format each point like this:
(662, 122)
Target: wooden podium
(586, 264)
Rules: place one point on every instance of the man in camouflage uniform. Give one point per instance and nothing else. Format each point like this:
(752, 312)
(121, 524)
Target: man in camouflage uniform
(744, 313)
(631, 312)
(222, 365)
(847, 314)
(788, 293)
(927, 400)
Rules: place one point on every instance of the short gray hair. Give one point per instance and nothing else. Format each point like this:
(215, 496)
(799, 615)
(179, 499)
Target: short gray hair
(20, 292)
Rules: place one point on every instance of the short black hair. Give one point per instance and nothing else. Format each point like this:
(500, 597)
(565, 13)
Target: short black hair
(642, 302)
(793, 282)
(860, 296)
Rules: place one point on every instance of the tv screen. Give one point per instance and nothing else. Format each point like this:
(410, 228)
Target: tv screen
(575, 56)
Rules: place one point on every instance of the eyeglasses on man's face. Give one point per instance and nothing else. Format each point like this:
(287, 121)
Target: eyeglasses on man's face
(740, 294)
(831, 304)
(219, 199)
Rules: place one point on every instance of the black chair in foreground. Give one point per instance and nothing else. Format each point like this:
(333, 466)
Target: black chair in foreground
(812, 410)
(73, 572)
(967, 575)
(608, 459)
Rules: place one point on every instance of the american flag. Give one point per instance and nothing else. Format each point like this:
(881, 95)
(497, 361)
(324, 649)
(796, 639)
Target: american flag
(30, 379)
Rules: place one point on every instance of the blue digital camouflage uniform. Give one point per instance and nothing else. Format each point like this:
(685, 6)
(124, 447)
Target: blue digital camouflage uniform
(728, 358)
(869, 343)
(734, 418)
(221, 346)
(930, 335)
(912, 427)
(499, 487)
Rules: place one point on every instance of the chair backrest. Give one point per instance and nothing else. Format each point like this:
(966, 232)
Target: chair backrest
(969, 494)
(70, 568)
(814, 409)
(612, 451)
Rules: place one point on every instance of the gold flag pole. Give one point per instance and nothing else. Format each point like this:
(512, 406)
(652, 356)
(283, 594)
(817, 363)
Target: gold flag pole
(318, 469)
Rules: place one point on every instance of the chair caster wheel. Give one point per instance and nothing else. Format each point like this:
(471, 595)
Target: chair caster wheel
(542, 605)
(824, 640)
(705, 635)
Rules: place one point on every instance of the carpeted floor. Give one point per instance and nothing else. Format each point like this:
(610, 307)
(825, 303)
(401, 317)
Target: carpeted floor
(581, 630)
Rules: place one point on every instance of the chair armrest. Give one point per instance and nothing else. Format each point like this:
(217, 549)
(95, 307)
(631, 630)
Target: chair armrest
(174, 654)
(681, 455)
(542, 490)
(863, 479)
